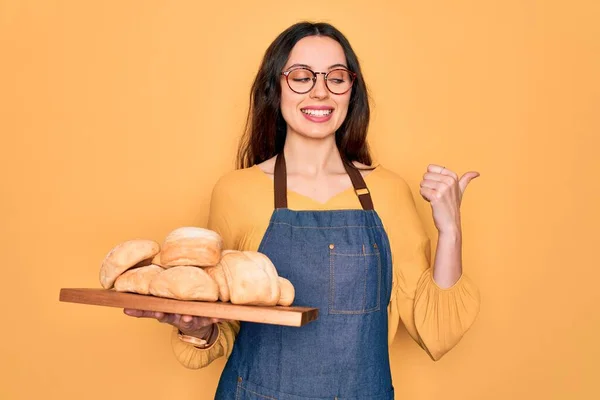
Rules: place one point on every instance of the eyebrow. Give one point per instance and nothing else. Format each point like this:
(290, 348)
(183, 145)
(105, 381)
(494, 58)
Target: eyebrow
(307, 66)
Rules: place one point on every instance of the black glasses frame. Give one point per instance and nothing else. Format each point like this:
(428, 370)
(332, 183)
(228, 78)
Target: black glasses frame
(314, 79)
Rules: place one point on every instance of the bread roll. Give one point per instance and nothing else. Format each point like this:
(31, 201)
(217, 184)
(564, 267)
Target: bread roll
(189, 246)
(124, 256)
(156, 260)
(218, 275)
(137, 280)
(251, 278)
(185, 283)
(287, 292)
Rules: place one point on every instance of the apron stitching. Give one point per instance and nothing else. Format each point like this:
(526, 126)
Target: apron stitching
(332, 282)
(379, 280)
(237, 392)
(354, 255)
(266, 238)
(328, 227)
(258, 394)
(370, 310)
(366, 274)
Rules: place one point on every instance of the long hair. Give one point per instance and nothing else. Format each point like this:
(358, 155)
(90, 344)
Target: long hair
(265, 131)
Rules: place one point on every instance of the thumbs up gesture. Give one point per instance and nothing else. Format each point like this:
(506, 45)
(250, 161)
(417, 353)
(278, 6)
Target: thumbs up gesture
(444, 190)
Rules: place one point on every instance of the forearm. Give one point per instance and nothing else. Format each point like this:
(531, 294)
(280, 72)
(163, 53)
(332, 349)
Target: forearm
(447, 267)
(194, 358)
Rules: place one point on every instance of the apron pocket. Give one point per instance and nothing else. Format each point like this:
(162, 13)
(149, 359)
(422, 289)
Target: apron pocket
(250, 391)
(355, 279)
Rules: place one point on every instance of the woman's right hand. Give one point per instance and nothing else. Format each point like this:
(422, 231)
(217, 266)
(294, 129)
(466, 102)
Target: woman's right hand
(199, 327)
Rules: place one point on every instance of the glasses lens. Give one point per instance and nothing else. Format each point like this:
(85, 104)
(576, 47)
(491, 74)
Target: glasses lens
(339, 81)
(300, 80)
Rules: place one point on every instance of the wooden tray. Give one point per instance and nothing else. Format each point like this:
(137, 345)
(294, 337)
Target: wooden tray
(276, 315)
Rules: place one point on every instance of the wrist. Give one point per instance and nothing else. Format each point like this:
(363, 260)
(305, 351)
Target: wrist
(451, 234)
(200, 338)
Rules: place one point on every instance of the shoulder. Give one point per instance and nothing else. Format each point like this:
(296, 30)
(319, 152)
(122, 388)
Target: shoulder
(244, 177)
(388, 183)
(239, 181)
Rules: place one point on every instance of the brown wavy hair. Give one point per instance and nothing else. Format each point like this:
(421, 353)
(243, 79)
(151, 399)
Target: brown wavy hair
(265, 130)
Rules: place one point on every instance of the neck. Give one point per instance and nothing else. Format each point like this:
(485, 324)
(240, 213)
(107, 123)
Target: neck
(312, 157)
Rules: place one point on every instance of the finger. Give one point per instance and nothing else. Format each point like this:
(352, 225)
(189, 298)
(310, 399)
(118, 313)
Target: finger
(435, 168)
(138, 313)
(195, 322)
(186, 318)
(428, 183)
(429, 194)
(450, 173)
(131, 312)
(465, 179)
(186, 322)
(166, 318)
(440, 169)
(448, 180)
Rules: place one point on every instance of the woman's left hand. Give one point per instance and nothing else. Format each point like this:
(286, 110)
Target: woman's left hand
(443, 189)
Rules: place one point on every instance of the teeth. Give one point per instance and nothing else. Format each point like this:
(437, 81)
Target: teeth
(317, 113)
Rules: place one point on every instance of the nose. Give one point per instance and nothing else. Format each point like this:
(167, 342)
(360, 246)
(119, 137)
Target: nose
(319, 91)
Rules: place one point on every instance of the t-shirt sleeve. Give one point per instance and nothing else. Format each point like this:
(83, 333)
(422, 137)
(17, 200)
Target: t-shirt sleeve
(434, 317)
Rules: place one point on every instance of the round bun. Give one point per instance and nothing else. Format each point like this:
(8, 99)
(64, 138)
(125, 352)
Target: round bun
(251, 278)
(137, 280)
(287, 292)
(191, 246)
(124, 256)
(156, 260)
(184, 283)
(218, 275)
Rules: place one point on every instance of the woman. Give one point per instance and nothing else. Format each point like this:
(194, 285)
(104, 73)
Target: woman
(306, 196)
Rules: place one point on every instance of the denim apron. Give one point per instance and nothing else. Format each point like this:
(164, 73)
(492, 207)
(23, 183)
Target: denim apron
(339, 262)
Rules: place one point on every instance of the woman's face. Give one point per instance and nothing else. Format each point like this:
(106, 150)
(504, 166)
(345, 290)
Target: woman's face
(318, 113)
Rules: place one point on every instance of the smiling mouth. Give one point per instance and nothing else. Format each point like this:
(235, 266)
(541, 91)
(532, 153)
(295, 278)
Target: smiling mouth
(316, 113)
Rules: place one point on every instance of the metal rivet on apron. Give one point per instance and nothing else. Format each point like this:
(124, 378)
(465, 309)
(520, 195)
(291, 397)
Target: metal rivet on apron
(239, 378)
(331, 246)
(375, 245)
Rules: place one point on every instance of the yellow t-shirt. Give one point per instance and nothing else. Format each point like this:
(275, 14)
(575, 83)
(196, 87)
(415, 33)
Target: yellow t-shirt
(241, 207)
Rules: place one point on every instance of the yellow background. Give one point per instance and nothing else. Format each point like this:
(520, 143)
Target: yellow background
(117, 118)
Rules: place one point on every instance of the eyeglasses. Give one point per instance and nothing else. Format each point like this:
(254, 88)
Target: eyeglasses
(303, 80)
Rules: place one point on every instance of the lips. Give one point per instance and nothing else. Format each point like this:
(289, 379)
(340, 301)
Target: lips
(317, 113)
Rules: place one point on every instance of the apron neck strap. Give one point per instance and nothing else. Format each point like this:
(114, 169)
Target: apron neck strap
(280, 178)
(280, 181)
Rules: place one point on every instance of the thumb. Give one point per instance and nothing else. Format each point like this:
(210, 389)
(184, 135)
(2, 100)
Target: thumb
(465, 179)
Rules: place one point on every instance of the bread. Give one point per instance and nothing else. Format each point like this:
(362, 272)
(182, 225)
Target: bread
(124, 256)
(184, 283)
(190, 246)
(218, 275)
(156, 260)
(251, 278)
(137, 280)
(288, 292)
